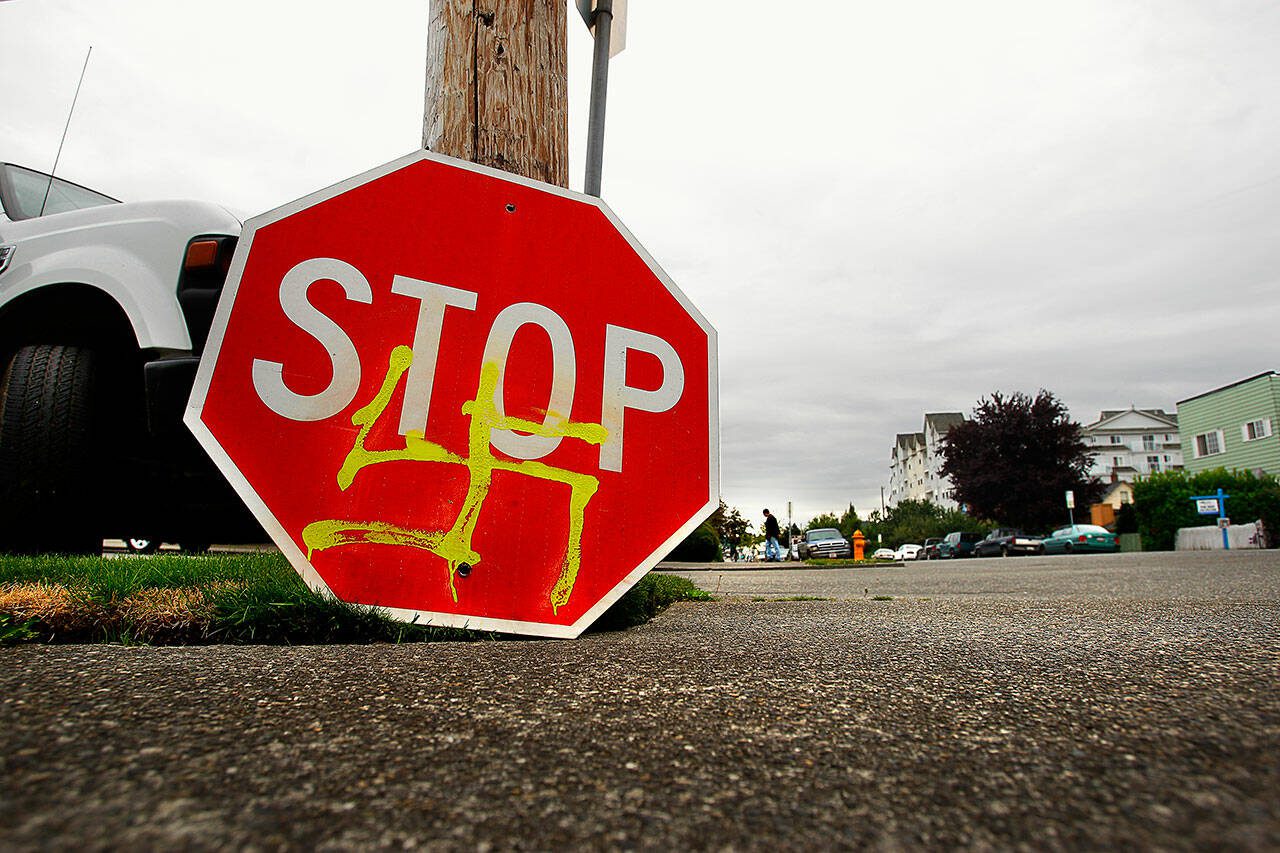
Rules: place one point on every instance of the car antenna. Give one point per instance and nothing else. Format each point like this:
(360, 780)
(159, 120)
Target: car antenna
(65, 128)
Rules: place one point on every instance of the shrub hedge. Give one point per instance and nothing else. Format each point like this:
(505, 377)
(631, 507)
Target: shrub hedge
(1162, 502)
(700, 546)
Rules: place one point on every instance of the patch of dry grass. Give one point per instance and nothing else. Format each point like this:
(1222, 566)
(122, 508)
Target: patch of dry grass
(149, 615)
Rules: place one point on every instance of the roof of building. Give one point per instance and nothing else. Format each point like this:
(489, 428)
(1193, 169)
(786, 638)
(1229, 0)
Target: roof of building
(942, 421)
(906, 442)
(1113, 487)
(1112, 414)
(1225, 387)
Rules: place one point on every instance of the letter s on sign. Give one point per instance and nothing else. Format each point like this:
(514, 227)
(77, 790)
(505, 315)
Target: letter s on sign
(343, 358)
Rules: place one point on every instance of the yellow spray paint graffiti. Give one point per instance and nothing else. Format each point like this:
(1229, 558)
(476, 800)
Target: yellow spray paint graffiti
(454, 545)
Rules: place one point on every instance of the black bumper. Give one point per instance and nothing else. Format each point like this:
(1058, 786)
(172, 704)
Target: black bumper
(168, 382)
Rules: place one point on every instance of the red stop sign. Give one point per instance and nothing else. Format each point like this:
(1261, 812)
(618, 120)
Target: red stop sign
(465, 397)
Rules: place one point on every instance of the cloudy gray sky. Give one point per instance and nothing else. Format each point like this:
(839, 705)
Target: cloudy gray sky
(885, 209)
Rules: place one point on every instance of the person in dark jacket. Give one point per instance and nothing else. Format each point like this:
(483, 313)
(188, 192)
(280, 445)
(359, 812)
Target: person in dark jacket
(772, 553)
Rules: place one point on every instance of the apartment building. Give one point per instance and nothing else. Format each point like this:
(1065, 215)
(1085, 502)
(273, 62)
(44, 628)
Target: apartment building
(916, 460)
(1131, 443)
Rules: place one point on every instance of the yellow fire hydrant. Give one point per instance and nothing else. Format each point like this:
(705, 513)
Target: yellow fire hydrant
(859, 544)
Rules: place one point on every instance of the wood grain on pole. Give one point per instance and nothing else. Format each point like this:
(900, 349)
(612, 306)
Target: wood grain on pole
(497, 85)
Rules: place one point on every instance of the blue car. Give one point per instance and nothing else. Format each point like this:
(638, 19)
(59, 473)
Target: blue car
(1081, 537)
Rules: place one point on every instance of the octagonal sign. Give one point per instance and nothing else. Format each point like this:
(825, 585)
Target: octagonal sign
(463, 397)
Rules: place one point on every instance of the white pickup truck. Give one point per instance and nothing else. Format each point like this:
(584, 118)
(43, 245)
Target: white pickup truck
(104, 309)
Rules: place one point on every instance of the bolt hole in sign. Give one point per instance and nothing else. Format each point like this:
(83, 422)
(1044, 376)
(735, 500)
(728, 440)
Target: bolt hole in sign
(463, 397)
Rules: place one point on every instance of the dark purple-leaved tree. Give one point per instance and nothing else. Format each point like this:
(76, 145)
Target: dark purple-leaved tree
(1017, 458)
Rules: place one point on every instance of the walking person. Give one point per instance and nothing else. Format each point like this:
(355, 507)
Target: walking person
(772, 553)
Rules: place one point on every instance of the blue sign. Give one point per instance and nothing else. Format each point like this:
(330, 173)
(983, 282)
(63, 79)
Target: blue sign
(1215, 505)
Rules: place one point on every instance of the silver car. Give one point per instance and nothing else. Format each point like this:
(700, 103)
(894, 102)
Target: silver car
(824, 542)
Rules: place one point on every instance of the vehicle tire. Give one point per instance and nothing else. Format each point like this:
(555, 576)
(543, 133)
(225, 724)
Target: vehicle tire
(1066, 549)
(1004, 551)
(143, 546)
(194, 547)
(49, 461)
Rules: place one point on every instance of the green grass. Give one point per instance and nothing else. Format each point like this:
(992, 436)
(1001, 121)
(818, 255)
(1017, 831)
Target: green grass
(655, 593)
(256, 598)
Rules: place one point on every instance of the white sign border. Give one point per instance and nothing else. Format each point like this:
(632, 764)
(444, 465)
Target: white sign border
(199, 392)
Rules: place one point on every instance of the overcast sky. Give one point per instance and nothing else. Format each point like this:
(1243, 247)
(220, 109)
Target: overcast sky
(884, 208)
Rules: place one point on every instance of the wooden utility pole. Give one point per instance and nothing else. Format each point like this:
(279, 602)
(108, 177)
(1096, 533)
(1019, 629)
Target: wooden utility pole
(497, 85)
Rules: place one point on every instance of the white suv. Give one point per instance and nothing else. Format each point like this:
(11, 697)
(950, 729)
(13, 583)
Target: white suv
(104, 309)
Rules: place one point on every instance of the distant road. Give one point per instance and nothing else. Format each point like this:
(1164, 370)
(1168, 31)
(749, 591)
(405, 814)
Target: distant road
(1120, 702)
(1186, 574)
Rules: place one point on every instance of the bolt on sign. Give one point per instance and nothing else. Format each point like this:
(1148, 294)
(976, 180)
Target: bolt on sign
(464, 397)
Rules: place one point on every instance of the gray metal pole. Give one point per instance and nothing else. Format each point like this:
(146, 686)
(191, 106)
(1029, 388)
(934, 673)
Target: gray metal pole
(603, 23)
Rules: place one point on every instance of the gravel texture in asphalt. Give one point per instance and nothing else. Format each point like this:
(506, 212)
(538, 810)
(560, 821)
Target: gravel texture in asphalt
(1056, 704)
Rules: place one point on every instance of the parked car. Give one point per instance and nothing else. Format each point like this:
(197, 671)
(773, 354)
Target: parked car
(930, 551)
(104, 311)
(1007, 542)
(824, 542)
(958, 544)
(908, 552)
(884, 554)
(1081, 537)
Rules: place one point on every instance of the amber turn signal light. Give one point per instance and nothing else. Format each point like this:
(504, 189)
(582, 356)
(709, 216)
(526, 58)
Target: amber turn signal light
(201, 254)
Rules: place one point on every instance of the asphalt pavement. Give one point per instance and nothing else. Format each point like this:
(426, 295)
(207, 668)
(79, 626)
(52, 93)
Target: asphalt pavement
(1127, 701)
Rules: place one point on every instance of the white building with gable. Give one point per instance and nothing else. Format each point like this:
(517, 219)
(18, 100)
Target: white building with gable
(915, 461)
(1131, 443)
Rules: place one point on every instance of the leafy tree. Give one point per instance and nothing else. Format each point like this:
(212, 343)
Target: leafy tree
(873, 526)
(729, 525)
(1016, 459)
(909, 521)
(912, 521)
(849, 522)
(824, 520)
(915, 521)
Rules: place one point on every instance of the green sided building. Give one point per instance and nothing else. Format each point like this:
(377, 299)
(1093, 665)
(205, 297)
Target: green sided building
(1233, 427)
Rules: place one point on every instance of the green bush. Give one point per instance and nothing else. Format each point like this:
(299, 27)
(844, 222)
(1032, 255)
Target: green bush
(1126, 519)
(653, 594)
(1162, 502)
(914, 521)
(700, 546)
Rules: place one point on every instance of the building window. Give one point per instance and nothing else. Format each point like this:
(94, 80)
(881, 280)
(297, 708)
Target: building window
(1166, 459)
(1209, 443)
(1148, 442)
(1116, 461)
(1115, 439)
(1153, 463)
(1255, 430)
